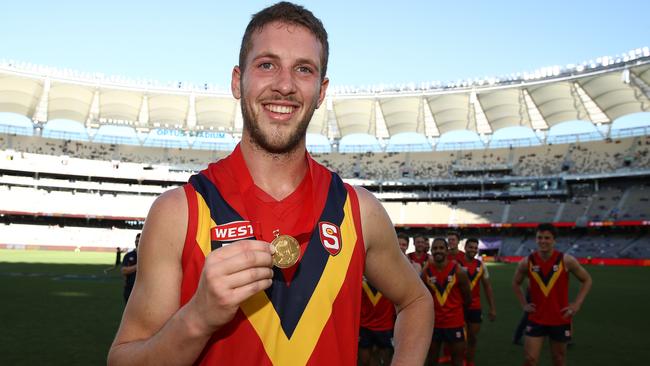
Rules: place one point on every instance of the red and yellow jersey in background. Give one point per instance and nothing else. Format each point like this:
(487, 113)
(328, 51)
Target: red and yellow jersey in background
(549, 288)
(377, 312)
(447, 298)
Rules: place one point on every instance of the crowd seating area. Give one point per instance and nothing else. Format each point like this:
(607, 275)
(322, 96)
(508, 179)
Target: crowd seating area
(577, 158)
(610, 245)
(21, 236)
(78, 204)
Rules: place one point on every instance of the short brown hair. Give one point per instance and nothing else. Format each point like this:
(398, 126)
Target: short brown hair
(289, 13)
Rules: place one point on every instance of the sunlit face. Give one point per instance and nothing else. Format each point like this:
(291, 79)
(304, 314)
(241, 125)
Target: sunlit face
(471, 249)
(421, 244)
(452, 240)
(439, 251)
(545, 241)
(279, 86)
(403, 244)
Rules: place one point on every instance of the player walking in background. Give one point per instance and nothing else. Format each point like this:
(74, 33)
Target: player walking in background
(129, 269)
(478, 276)
(550, 312)
(213, 290)
(376, 331)
(449, 287)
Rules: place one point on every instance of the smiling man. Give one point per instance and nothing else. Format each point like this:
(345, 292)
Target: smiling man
(212, 287)
(550, 313)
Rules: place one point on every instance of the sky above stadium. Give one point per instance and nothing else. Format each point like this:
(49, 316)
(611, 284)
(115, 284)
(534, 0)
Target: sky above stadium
(371, 42)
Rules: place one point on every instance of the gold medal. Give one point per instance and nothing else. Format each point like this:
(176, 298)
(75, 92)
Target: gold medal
(287, 251)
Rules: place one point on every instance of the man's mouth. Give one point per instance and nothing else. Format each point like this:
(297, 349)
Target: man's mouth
(281, 109)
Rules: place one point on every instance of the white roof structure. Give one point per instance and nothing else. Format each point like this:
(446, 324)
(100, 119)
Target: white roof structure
(599, 93)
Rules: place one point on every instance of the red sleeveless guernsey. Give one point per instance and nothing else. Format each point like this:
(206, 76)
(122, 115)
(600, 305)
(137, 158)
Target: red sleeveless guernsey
(475, 270)
(447, 299)
(310, 314)
(377, 312)
(417, 258)
(549, 288)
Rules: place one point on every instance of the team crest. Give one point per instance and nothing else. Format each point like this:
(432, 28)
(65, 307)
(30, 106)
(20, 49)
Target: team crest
(330, 237)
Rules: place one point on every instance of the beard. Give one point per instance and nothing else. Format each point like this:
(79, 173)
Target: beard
(276, 142)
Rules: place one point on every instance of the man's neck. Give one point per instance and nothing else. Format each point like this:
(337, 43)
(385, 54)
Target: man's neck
(441, 265)
(546, 255)
(276, 174)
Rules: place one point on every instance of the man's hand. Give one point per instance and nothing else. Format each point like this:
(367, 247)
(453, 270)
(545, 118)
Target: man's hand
(492, 315)
(231, 275)
(529, 307)
(570, 310)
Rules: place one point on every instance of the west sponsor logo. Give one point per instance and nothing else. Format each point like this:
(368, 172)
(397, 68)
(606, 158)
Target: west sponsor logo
(236, 230)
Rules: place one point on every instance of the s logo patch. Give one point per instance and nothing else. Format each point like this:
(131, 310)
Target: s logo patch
(330, 237)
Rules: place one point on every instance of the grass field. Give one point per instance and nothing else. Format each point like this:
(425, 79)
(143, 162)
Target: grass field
(59, 308)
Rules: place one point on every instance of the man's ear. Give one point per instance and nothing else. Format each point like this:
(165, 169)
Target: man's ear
(235, 82)
(323, 89)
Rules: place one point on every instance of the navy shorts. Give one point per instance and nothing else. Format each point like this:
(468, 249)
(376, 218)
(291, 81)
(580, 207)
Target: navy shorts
(473, 316)
(379, 338)
(557, 333)
(449, 335)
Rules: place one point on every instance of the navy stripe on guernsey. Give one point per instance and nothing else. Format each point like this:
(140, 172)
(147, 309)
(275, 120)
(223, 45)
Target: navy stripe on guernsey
(220, 210)
(288, 300)
(546, 277)
(442, 287)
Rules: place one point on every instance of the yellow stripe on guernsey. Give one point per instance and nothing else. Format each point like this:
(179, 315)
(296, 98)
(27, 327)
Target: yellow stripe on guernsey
(442, 297)
(544, 287)
(477, 277)
(374, 298)
(204, 225)
(263, 317)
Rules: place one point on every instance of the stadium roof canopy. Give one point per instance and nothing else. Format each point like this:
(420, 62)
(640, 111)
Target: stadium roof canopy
(598, 93)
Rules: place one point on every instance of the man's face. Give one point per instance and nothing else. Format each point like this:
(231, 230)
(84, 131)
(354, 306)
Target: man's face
(403, 244)
(453, 242)
(545, 241)
(279, 86)
(439, 251)
(471, 249)
(421, 244)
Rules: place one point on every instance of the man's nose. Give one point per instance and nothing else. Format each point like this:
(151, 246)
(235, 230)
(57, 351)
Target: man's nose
(284, 82)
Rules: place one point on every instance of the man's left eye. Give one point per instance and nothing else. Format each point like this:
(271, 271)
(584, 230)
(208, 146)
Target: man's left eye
(304, 69)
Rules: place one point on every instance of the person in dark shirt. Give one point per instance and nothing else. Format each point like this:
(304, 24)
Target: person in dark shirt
(129, 268)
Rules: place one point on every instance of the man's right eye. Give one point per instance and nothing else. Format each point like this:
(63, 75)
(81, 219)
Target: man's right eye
(266, 66)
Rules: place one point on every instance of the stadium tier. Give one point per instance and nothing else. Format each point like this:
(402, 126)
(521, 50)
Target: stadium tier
(82, 157)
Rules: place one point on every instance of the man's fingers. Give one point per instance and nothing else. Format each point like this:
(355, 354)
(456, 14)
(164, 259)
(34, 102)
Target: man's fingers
(236, 248)
(240, 294)
(248, 276)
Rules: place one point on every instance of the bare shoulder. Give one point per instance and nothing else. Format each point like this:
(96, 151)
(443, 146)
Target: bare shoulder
(522, 266)
(374, 219)
(367, 200)
(571, 263)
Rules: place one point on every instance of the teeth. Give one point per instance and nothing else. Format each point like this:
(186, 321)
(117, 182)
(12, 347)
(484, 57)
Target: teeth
(279, 108)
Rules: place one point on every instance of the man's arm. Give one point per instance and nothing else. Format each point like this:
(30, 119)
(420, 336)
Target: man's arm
(154, 330)
(518, 279)
(584, 277)
(125, 270)
(463, 284)
(489, 295)
(390, 271)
